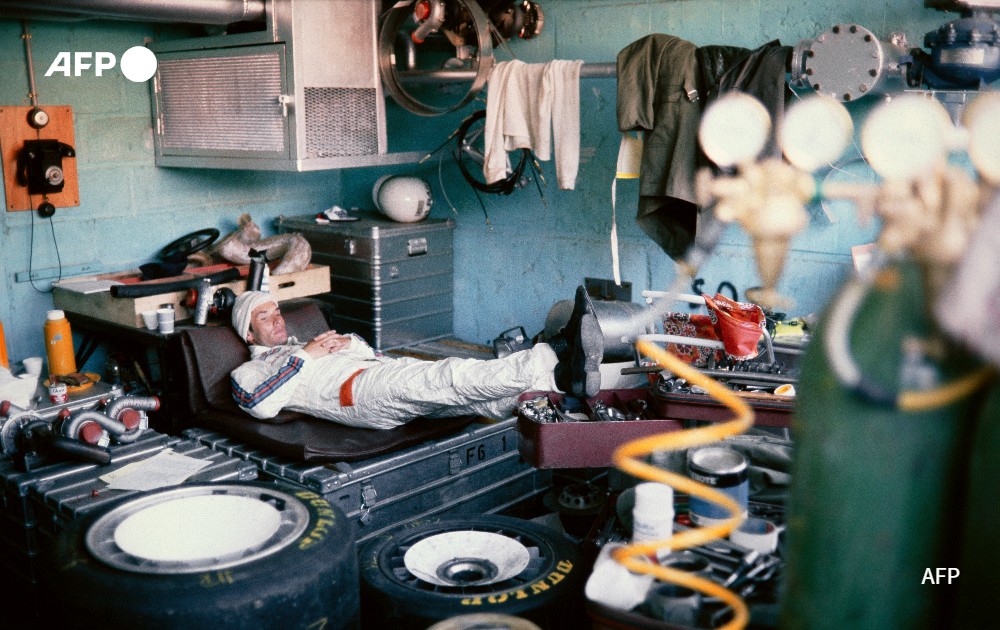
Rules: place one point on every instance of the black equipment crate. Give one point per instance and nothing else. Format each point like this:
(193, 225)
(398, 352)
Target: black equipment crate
(392, 283)
(37, 504)
(475, 471)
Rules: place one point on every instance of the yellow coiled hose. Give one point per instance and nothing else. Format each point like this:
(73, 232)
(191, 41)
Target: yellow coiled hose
(628, 458)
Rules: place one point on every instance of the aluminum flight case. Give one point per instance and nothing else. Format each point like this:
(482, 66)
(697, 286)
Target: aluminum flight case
(475, 471)
(392, 283)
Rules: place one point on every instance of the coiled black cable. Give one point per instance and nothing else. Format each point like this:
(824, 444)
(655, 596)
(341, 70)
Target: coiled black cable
(503, 187)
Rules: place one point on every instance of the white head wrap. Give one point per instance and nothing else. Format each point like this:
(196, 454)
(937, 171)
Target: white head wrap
(243, 309)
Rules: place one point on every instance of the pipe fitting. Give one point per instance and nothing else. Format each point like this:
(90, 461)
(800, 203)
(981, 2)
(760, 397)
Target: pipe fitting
(115, 408)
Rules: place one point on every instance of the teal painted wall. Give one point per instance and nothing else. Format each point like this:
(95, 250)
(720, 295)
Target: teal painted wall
(508, 272)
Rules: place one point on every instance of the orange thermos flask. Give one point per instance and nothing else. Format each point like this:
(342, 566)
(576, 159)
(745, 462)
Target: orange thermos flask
(59, 344)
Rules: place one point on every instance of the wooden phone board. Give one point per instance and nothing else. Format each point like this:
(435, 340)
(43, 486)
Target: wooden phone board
(14, 131)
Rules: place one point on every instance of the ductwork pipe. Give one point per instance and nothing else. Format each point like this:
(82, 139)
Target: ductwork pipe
(191, 11)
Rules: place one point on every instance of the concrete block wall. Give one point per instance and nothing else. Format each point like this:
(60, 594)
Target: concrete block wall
(508, 271)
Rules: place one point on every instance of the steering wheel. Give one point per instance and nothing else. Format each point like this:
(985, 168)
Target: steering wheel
(189, 244)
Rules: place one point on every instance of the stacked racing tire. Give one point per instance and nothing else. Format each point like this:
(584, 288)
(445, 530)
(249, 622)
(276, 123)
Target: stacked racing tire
(232, 555)
(431, 571)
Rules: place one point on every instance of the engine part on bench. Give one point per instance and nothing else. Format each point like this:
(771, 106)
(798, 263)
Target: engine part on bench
(123, 418)
(36, 444)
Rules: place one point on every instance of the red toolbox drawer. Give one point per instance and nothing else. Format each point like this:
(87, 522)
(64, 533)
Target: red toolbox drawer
(586, 444)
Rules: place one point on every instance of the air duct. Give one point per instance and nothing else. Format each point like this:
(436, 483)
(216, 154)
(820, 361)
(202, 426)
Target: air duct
(191, 11)
(302, 94)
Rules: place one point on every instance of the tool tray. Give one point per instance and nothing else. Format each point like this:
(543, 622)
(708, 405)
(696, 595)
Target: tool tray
(586, 443)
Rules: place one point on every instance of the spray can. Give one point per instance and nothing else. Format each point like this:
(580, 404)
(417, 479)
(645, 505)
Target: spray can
(204, 301)
(59, 343)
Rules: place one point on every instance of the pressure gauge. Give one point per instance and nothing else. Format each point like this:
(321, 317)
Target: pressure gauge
(815, 131)
(982, 120)
(734, 129)
(906, 137)
(38, 118)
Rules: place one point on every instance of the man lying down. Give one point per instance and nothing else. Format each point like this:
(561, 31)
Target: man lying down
(340, 378)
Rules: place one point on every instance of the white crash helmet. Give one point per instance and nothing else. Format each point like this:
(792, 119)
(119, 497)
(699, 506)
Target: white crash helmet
(402, 198)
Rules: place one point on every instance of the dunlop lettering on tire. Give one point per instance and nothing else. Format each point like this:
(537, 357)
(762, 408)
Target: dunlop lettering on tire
(252, 555)
(545, 590)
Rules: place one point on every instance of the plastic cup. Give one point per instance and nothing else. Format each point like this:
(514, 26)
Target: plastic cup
(33, 365)
(150, 319)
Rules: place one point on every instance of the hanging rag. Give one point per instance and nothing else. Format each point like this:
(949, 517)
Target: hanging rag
(658, 94)
(532, 106)
(628, 167)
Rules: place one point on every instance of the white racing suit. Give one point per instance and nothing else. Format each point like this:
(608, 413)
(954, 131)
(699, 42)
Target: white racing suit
(355, 387)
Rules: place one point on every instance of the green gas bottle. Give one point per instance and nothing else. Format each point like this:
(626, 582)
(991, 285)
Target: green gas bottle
(979, 524)
(872, 499)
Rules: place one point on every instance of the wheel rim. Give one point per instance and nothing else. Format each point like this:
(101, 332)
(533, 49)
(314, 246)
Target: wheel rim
(482, 558)
(481, 571)
(210, 528)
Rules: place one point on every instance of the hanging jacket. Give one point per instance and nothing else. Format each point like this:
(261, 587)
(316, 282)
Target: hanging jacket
(658, 94)
(759, 73)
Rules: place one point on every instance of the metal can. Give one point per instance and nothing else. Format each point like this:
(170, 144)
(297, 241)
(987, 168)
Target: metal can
(203, 302)
(255, 277)
(58, 393)
(725, 470)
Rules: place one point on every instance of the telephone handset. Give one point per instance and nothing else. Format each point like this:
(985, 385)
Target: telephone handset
(39, 165)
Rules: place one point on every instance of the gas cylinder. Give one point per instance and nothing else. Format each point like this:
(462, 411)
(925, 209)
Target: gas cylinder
(979, 524)
(872, 500)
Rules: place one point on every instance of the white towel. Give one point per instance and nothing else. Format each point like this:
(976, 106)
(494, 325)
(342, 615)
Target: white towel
(527, 107)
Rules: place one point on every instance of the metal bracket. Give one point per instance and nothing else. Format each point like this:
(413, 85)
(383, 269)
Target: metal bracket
(368, 497)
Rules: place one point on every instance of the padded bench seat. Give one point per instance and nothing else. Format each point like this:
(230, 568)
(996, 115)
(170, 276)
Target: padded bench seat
(209, 354)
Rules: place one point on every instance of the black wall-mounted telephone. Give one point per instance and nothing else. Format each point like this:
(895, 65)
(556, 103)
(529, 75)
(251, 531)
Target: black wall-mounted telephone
(39, 165)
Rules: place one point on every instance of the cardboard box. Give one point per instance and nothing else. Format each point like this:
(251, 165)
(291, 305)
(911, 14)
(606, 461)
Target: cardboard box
(74, 295)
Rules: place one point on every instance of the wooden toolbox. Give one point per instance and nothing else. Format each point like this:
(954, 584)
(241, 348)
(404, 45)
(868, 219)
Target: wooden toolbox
(91, 295)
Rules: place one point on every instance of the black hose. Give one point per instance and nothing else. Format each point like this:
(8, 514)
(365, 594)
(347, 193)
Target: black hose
(503, 187)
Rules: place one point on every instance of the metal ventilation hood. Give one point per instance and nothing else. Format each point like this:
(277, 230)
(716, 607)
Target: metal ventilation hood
(298, 89)
(304, 93)
(216, 12)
